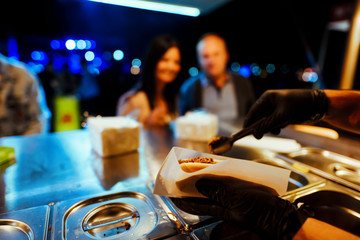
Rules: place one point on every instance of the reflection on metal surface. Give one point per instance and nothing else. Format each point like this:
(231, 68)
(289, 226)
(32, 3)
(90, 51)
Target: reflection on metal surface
(110, 220)
(73, 227)
(29, 224)
(347, 172)
(123, 215)
(187, 220)
(111, 170)
(13, 229)
(339, 168)
(336, 208)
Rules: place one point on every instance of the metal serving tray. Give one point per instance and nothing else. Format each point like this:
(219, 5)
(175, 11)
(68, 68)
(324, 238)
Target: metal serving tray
(133, 214)
(330, 165)
(27, 224)
(298, 180)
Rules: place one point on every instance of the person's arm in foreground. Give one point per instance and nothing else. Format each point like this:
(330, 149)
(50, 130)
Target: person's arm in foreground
(344, 109)
(278, 108)
(256, 208)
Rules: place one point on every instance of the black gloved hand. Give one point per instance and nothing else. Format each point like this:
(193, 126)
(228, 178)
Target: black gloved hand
(278, 108)
(251, 207)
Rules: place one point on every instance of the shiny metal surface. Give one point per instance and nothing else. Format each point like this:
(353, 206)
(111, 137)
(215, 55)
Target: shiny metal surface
(330, 165)
(60, 166)
(333, 204)
(29, 224)
(12, 229)
(133, 214)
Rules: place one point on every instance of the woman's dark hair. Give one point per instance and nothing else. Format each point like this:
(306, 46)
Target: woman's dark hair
(156, 50)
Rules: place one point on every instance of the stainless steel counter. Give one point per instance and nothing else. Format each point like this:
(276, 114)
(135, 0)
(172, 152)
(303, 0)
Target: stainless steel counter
(59, 167)
(55, 167)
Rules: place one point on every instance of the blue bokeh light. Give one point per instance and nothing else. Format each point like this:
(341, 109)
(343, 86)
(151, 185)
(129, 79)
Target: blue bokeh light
(92, 44)
(39, 56)
(245, 71)
(310, 77)
(89, 56)
(270, 68)
(88, 44)
(74, 64)
(235, 67)
(35, 55)
(81, 44)
(55, 44)
(256, 70)
(70, 44)
(118, 55)
(136, 62)
(97, 62)
(193, 71)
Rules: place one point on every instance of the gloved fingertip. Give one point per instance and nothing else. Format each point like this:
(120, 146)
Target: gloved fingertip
(276, 131)
(258, 135)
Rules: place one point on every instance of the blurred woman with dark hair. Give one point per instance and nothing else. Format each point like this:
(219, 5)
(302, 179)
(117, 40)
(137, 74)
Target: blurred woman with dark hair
(154, 101)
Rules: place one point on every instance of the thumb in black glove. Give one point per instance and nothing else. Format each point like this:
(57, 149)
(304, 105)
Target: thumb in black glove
(278, 108)
(253, 208)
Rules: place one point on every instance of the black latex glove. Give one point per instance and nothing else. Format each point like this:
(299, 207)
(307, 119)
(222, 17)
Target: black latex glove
(278, 108)
(247, 206)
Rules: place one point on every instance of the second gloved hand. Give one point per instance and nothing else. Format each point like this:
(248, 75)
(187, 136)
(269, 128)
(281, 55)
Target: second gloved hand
(278, 108)
(255, 208)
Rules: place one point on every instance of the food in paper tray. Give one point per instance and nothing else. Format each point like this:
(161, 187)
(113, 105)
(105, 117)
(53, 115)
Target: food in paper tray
(196, 163)
(173, 181)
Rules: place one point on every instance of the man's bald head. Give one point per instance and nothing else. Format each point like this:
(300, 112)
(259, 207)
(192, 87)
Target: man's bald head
(212, 54)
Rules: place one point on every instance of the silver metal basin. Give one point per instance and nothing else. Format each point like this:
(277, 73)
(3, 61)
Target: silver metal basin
(339, 168)
(27, 224)
(123, 215)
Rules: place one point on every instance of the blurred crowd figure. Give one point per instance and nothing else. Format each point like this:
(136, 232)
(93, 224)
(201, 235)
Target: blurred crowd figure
(153, 101)
(217, 90)
(23, 108)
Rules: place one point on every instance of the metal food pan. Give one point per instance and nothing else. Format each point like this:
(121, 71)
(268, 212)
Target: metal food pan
(27, 224)
(327, 164)
(298, 180)
(132, 214)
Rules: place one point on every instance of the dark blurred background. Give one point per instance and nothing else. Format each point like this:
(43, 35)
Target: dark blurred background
(277, 44)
